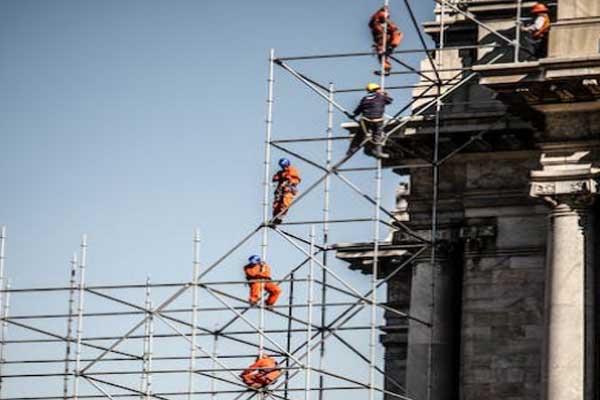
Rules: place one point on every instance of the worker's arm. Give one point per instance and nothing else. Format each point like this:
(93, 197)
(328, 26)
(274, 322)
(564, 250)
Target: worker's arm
(537, 24)
(359, 109)
(388, 99)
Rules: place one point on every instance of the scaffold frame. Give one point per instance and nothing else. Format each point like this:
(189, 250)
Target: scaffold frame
(78, 369)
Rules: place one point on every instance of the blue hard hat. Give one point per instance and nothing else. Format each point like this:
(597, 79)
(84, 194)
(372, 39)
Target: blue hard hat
(254, 259)
(284, 162)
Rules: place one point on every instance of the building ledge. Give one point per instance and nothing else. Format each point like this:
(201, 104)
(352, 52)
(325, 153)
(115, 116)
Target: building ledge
(360, 255)
(546, 69)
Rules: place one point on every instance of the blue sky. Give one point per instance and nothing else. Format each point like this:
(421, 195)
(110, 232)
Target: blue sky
(137, 121)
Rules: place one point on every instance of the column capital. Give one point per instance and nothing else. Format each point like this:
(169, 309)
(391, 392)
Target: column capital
(567, 179)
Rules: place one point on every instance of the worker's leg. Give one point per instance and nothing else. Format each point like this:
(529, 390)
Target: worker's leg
(270, 377)
(541, 47)
(254, 292)
(249, 378)
(377, 129)
(274, 292)
(357, 139)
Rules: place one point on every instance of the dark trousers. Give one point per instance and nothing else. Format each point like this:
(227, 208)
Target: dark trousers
(373, 127)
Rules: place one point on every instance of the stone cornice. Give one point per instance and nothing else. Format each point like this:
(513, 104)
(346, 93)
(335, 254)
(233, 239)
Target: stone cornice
(566, 178)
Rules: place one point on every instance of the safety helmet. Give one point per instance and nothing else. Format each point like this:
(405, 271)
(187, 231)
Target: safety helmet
(371, 87)
(539, 8)
(254, 259)
(284, 162)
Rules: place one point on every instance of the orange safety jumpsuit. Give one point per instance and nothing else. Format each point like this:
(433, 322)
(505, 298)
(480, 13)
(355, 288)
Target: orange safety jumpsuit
(392, 39)
(257, 276)
(261, 373)
(287, 179)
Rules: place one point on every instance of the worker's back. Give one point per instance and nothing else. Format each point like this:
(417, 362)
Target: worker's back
(290, 174)
(258, 271)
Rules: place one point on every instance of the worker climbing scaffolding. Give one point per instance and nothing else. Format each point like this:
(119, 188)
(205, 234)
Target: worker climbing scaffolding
(386, 36)
(287, 179)
(371, 109)
(261, 373)
(258, 275)
(538, 30)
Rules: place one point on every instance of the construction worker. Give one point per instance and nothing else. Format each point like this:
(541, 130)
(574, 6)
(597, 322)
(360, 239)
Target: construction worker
(258, 274)
(371, 109)
(377, 24)
(287, 179)
(538, 30)
(261, 372)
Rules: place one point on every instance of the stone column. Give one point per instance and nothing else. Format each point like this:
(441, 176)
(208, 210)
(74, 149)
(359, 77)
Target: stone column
(442, 384)
(569, 185)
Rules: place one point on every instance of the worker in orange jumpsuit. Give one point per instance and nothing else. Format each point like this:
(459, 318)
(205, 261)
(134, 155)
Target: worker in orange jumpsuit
(258, 274)
(538, 30)
(377, 24)
(261, 373)
(287, 178)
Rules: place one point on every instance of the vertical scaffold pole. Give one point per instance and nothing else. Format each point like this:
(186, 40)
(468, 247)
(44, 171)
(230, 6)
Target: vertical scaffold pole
(326, 202)
(434, 229)
(440, 53)
(310, 301)
(518, 30)
(213, 374)
(195, 274)
(144, 378)
(288, 343)
(82, 265)
(2, 258)
(4, 333)
(376, 234)
(150, 351)
(69, 337)
(267, 188)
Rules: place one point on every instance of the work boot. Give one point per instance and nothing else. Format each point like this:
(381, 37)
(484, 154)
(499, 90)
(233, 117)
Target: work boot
(379, 152)
(277, 221)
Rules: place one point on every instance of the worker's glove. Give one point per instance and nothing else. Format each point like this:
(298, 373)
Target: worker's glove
(351, 116)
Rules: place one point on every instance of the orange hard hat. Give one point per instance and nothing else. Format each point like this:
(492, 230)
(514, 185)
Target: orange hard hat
(539, 8)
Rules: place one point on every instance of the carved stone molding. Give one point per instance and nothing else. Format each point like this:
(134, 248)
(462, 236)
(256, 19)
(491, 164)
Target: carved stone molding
(566, 178)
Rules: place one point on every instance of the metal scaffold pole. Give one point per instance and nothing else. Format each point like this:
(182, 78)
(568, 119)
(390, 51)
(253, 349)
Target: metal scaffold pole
(195, 273)
(288, 342)
(518, 25)
(150, 350)
(310, 316)
(2, 258)
(4, 335)
(215, 352)
(82, 265)
(376, 234)
(146, 339)
(326, 207)
(69, 337)
(266, 188)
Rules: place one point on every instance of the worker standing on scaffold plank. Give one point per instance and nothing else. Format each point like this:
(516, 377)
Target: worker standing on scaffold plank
(371, 109)
(392, 39)
(258, 274)
(287, 179)
(538, 30)
(261, 373)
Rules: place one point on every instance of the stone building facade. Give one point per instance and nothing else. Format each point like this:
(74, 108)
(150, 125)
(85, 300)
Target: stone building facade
(515, 282)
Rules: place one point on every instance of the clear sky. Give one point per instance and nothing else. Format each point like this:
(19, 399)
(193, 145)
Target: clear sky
(136, 121)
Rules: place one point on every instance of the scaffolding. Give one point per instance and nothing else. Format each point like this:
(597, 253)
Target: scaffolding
(169, 352)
